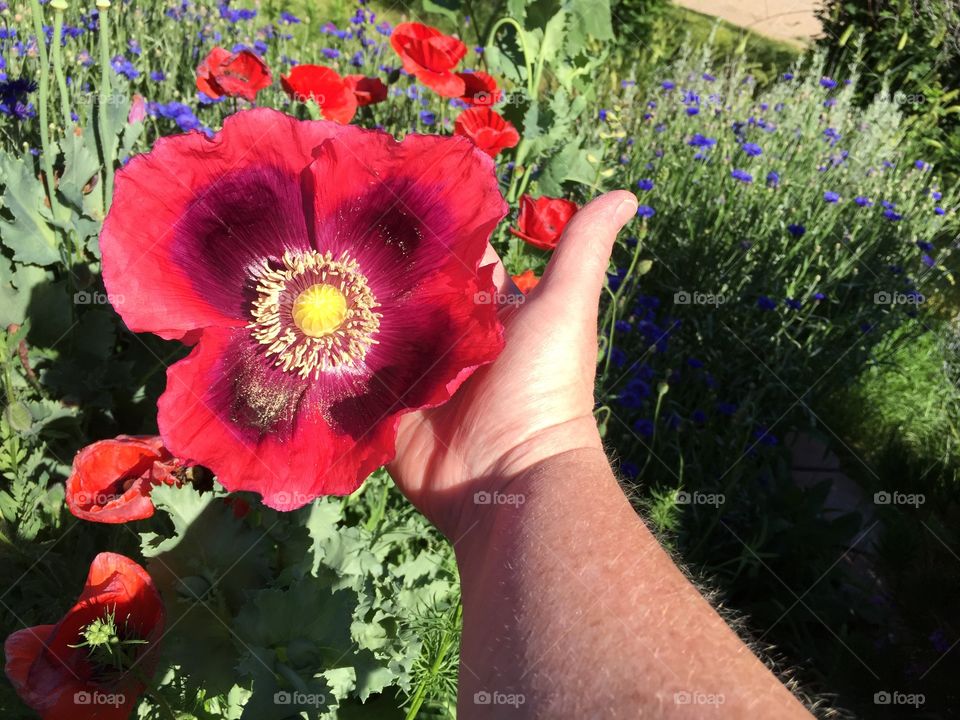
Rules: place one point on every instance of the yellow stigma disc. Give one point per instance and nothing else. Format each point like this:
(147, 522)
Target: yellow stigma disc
(319, 310)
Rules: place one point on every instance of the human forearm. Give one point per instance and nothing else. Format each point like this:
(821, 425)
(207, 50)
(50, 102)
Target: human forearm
(572, 609)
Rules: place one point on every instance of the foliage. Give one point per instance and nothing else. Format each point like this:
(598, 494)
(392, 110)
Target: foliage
(353, 604)
(910, 50)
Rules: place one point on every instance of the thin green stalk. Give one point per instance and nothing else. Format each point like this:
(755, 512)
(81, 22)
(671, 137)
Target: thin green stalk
(106, 143)
(46, 160)
(421, 694)
(59, 7)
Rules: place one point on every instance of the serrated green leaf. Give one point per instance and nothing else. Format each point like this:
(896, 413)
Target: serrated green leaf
(30, 234)
(80, 164)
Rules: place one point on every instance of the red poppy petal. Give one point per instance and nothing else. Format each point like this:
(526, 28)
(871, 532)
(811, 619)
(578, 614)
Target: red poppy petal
(367, 90)
(398, 207)
(166, 202)
(20, 650)
(243, 74)
(297, 459)
(324, 86)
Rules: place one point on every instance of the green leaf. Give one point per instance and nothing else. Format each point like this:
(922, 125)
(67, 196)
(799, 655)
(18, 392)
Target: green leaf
(17, 284)
(30, 233)
(447, 8)
(80, 164)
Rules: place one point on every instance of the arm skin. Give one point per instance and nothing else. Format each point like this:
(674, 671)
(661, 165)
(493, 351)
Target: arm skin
(571, 607)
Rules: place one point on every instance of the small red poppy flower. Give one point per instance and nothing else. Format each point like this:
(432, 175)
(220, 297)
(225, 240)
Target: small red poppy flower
(542, 220)
(488, 130)
(431, 56)
(62, 681)
(325, 87)
(330, 273)
(367, 90)
(525, 281)
(111, 479)
(480, 88)
(240, 74)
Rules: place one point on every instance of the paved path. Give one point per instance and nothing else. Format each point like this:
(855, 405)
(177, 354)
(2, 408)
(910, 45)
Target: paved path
(790, 20)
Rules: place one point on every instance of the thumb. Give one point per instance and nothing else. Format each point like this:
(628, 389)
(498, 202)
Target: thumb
(575, 274)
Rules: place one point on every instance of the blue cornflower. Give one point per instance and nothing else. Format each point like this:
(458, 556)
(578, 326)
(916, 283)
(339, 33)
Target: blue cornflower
(892, 215)
(927, 260)
(819, 296)
(773, 178)
(691, 111)
(863, 201)
(158, 75)
(330, 53)
(752, 149)
(699, 417)
(765, 303)
(668, 85)
(699, 140)
(645, 211)
(627, 83)
(644, 427)
(622, 326)
(830, 196)
(645, 184)
(794, 303)
(827, 82)
(787, 76)
(602, 115)
(741, 175)
(939, 210)
(122, 66)
(764, 436)
(13, 95)
(695, 363)
(888, 205)
(427, 117)
(936, 195)
(920, 165)
(726, 408)
(288, 18)
(708, 77)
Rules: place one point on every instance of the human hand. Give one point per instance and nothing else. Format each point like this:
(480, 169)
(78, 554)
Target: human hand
(535, 402)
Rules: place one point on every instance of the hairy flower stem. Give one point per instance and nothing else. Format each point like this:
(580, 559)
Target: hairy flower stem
(106, 143)
(421, 693)
(55, 48)
(46, 160)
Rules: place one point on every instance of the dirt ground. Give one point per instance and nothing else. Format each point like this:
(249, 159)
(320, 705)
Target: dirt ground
(790, 20)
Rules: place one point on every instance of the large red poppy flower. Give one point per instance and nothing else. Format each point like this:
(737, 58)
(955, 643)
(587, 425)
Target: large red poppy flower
(542, 220)
(431, 56)
(480, 88)
(111, 479)
(325, 87)
(62, 682)
(488, 130)
(239, 74)
(330, 274)
(367, 90)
